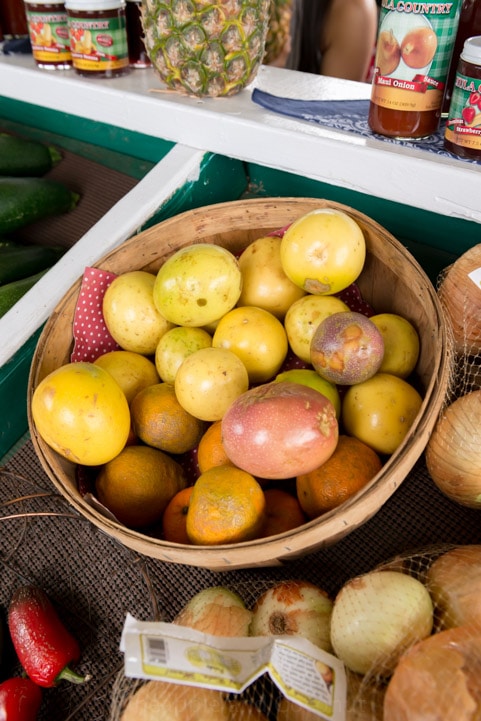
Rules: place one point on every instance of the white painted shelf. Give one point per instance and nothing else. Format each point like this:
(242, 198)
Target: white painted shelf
(238, 128)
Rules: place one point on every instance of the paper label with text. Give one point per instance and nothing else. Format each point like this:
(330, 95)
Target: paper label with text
(303, 672)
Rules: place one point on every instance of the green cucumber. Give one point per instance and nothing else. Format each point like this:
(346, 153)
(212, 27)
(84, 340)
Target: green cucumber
(25, 200)
(26, 158)
(20, 261)
(12, 292)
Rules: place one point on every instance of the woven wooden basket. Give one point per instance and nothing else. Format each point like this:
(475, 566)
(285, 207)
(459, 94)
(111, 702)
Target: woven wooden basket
(391, 280)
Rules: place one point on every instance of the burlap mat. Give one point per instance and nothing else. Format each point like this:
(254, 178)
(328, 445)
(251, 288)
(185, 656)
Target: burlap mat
(94, 580)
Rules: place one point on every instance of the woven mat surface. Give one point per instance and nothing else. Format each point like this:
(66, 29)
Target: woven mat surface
(94, 581)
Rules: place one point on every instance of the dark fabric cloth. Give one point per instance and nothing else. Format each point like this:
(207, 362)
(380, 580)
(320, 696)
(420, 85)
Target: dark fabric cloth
(17, 46)
(311, 109)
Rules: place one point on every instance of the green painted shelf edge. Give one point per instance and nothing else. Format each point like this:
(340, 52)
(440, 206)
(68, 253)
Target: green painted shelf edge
(125, 151)
(13, 394)
(220, 180)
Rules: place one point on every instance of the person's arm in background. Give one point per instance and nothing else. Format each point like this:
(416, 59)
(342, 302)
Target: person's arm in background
(348, 37)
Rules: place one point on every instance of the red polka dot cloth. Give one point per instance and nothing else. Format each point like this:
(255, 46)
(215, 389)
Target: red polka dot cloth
(353, 299)
(91, 337)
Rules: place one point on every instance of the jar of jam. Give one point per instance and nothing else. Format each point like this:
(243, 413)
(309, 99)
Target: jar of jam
(463, 127)
(414, 47)
(135, 35)
(469, 26)
(48, 30)
(98, 37)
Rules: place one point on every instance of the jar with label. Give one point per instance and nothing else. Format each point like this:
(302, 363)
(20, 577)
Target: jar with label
(463, 126)
(469, 26)
(135, 35)
(414, 47)
(98, 37)
(48, 30)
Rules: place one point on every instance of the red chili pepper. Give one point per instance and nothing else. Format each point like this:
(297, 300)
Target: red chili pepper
(20, 700)
(43, 644)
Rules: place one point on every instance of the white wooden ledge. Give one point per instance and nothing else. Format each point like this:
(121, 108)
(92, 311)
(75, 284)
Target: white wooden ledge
(238, 128)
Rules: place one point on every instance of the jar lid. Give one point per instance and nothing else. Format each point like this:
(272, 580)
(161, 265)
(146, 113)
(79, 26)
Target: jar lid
(94, 5)
(44, 2)
(472, 50)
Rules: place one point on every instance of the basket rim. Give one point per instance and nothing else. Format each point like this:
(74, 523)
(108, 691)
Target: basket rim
(281, 548)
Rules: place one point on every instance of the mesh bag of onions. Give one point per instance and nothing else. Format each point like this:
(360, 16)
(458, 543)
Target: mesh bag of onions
(408, 633)
(252, 609)
(453, 453)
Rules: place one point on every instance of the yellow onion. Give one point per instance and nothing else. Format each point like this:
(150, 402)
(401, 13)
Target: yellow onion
(216, 610)
(167, 701)
(453, 452)
(376, 617)
(438, 678)
(454, 582)
(460, 297)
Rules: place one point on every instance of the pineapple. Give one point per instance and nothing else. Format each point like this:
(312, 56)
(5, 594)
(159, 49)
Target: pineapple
(279, 29)
(206, 47)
